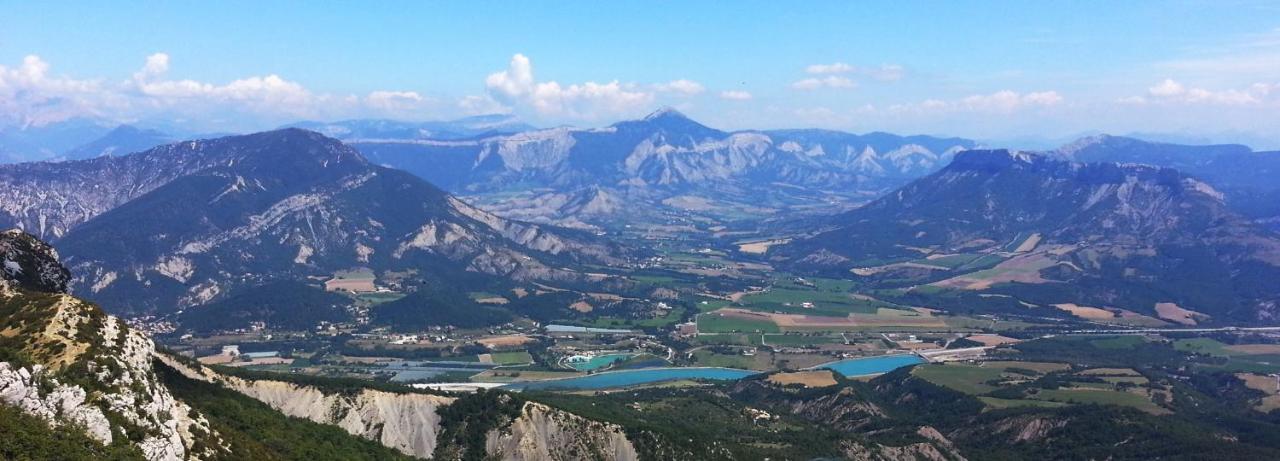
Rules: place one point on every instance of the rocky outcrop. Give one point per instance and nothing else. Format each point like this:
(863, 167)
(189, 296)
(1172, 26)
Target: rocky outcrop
(30, 264)
(407, 422)
(71, 364)
(544, 433)
(411, 423)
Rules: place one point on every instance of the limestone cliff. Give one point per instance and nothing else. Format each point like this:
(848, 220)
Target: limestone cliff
(404, 421)
(64, 360)
(544, 433)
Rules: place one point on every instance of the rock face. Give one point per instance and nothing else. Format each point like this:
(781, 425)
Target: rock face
(186, 223)
(31, 264)
(662, 156)
(69, 363)
(406, 422)
(410, 422)
(543, 433)
(1246, 178)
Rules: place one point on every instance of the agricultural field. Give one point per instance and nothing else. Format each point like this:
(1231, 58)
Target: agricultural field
(512, 358)
(722, 322)
(1251, 358)
(708, 358)
(1009, 383)
(812, 378)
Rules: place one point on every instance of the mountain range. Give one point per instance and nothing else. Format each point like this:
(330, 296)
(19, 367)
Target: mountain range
(183, 223)
(669, 163)
(1052, 231)
(381, 129)
(1246, 178)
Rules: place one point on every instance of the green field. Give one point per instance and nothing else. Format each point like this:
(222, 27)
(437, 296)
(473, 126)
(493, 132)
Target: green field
(711, 359)
(949, 261)
(512, 358)
(379, 297)
(1018, 403)
(1099, 397)
(713, 323)
(794, 340)
(829, 303)
(673, 316)
(1119, 342)
(1207, 346)
(970, 379)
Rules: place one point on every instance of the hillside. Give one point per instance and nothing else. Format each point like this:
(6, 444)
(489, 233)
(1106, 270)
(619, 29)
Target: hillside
(66, 365)
(1125, 236)
(289, 204)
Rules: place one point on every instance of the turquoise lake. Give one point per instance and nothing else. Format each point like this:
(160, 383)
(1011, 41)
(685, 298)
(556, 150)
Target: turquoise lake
(872, 365)
(626, 378)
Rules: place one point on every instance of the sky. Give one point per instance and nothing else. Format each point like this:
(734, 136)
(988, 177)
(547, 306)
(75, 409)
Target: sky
(986, 70)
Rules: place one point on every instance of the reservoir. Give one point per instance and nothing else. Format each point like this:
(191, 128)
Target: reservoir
(871, 365)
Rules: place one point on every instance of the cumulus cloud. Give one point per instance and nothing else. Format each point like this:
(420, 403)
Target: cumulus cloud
(590, 100)
(735, 95)
(814, 83)
(1173, 91)
(31, 95)
(269, 92)
(682, 86)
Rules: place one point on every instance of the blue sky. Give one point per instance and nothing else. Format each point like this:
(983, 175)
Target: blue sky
(978, 69)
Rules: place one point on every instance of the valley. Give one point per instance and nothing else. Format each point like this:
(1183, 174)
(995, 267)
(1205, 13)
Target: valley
(284, 273)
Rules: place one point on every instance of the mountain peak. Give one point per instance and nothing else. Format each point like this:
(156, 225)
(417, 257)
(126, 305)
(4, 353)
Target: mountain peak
(673, 124)
(666, 112)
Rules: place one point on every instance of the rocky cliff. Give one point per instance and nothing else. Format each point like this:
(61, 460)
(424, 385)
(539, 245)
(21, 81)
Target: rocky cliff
(411, 422)
(403, 421)
(544, 433)
(65, 361)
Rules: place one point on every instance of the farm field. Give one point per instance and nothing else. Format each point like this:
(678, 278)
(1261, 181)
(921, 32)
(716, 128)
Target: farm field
(1252, 358)
(707, 358)
(992, 382)
(722, 322)
(512, 358)
(814, 378)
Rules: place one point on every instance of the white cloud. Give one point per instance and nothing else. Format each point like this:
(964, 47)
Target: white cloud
(269, 93)
(833, 68)
(813, 83)
(884, 72)
(481, 105)
(590, 100)
(1000, 102)
(682, 86)
(1173, 91)
(31, 95)
(735, 95)
(397, 102)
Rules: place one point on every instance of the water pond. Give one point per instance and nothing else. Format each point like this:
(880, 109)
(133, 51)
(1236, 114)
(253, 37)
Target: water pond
(871, 365)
